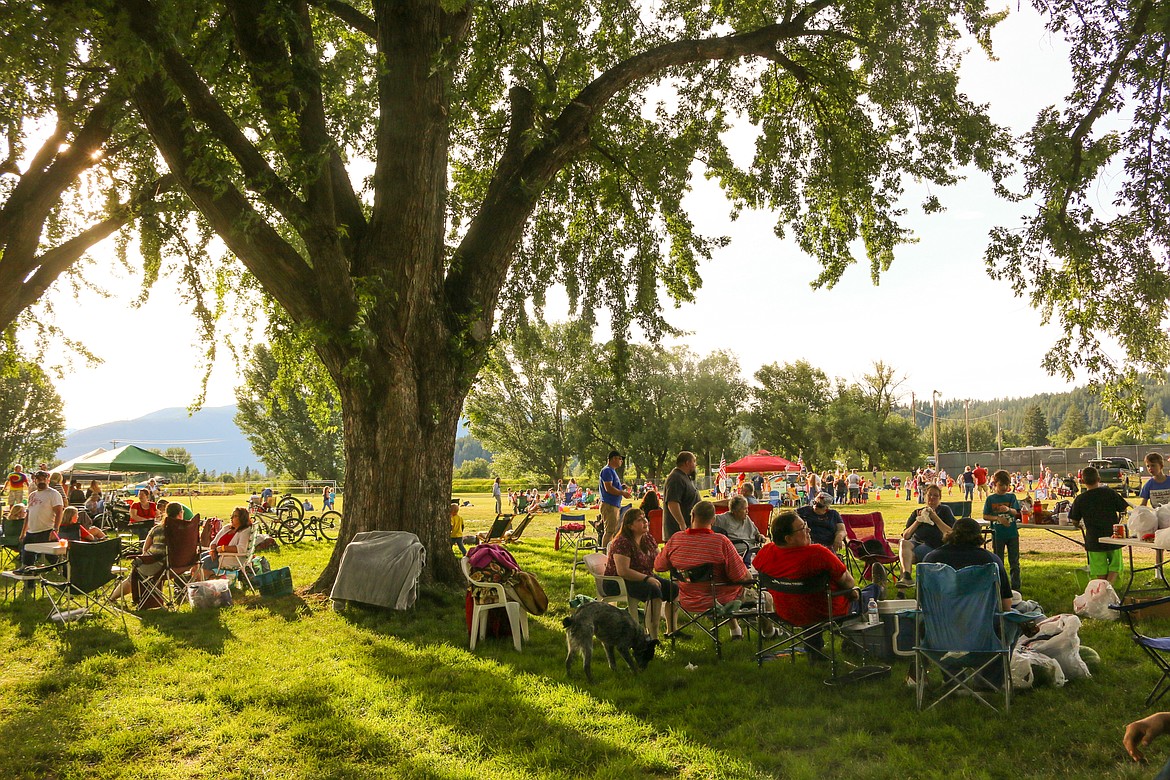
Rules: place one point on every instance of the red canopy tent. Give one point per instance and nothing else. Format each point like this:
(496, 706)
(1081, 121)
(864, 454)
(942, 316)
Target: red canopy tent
(762, 461)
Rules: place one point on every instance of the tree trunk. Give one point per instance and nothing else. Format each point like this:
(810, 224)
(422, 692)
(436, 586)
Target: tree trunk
(400, 430)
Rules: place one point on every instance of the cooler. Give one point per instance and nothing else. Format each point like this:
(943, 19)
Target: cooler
(895, 636)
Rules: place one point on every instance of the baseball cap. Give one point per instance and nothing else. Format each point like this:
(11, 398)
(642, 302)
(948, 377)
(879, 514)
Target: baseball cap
(820, 500)
(40, 474)
(616, 454)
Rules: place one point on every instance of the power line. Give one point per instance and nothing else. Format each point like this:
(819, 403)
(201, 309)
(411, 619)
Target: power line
(928, 416)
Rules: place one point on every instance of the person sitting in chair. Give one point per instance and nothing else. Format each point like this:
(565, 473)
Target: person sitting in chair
(71, 528)
(235, 539)
(739, 528)
(963, 548)
(925, 530)
(794, 556)
(631, 557)
(748, 491)
(143, 510)
(825, 525)
(700, 545)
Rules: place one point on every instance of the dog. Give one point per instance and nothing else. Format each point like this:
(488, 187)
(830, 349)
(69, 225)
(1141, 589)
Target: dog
(616, 629)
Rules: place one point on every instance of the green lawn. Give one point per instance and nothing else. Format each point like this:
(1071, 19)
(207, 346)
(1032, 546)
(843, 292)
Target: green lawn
(288, 688)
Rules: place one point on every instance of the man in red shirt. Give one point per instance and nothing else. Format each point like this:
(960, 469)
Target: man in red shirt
(980, 475)
(793, 556)
(698, 545)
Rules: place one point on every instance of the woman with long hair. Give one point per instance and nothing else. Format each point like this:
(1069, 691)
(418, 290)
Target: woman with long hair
(631, 557)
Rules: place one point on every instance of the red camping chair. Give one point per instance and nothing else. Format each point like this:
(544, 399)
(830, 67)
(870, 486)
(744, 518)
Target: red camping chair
(654, 518)
(866, 543)
(761, 516)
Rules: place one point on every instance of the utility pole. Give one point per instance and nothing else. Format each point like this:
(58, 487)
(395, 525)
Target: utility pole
(934, 423)
(998, 436)
(913, 410)
(967, 421)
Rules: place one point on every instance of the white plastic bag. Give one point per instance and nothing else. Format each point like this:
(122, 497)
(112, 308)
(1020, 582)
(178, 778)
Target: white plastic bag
(1163, 515)
(1059, 639)
(1162, 537)
(1142, 521)
(209, 593)
(1045, 670)
(1095, 601)
(1022, 676)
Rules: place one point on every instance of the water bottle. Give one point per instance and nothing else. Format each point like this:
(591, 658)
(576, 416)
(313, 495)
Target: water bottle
(872, 612)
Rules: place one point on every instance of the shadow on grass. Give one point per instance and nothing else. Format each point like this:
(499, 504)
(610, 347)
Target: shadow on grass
(289, 608)
(202, 629)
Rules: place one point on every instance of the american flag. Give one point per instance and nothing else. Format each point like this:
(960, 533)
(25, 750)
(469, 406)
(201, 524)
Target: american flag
(722, 468)
(800, 462)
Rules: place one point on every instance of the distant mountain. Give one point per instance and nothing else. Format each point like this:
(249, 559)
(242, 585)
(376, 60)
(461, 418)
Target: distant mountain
(210, 435)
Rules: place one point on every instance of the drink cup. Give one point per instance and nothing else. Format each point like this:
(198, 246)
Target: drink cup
(1119, 531)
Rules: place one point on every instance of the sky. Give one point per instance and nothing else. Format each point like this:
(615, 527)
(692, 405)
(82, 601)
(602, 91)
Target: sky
(936, 316)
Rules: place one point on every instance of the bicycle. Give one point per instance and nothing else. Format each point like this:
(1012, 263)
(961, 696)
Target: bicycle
(321, 527)
(284, 522)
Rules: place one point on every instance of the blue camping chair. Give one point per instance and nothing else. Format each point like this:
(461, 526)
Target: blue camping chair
(774, 498)
(961, 630)
(1157, 648)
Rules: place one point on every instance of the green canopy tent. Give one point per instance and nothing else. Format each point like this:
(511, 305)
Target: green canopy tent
(131, 460)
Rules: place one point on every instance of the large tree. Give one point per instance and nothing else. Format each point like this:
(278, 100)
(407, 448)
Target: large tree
(529, 390)
(33, 414)
(1035, 432)
(789, 404)
(1093, 253)
(288, 409)
(393, 173)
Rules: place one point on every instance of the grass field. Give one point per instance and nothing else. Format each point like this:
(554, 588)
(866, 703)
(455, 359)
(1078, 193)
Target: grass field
(289, 688)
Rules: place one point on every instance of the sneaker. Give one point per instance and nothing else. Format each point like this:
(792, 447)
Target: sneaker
(880, 575)
(905, 581)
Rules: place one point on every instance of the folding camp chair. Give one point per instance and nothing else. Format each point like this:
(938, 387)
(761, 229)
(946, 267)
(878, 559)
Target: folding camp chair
(1157, 648)
(571, 531)
(820, 637)
(713, 617)
(774, 498)
(89, 582)
(514, 534)
(959, 509)
(866, 544)
(495, 534)
(961, 631)
(10, 542)
(169, 587)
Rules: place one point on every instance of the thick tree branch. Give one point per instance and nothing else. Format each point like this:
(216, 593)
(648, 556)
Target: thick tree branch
(482, 258)
(1085, 125)
(20, 290)
(207, 109)
(348, 14)
(278, 266)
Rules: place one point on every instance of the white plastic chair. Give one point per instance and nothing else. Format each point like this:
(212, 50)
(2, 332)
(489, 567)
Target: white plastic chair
(242, 563)
(517, 616)
(596, 563)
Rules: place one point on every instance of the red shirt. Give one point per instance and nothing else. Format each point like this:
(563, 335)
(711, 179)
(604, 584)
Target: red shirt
(800, 563)
(980, 475)
(147, 511)
(696, 546)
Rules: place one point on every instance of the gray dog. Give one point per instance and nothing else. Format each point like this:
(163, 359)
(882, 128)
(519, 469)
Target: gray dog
(616, 629)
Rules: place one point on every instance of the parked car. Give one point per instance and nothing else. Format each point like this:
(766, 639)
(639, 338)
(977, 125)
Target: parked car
(1121, 474)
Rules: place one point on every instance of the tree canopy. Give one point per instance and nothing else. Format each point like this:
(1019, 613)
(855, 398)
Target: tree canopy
(1093, 253)
(394, 174)
(33, 414)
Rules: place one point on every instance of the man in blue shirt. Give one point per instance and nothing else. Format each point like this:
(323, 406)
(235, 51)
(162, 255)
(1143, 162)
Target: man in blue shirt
(612, 492)
(825, 525)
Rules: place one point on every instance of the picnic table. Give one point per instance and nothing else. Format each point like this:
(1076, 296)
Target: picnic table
(1157, 567)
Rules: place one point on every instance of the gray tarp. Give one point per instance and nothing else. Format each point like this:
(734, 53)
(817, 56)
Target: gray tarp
(381, 568)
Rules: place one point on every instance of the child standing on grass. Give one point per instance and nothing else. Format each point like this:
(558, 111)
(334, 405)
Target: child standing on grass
(457, 527)
(1002, 510)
